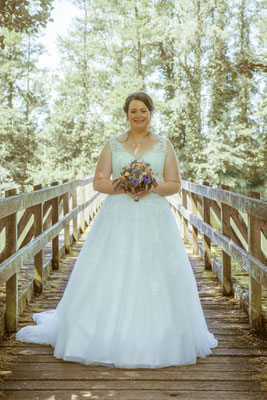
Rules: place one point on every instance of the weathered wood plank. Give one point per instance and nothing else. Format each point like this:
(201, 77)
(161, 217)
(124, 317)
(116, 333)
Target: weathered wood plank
(227, 286)
(224, 344)
(233, 371)
(223, 338)
(130, 395)
(250, 264)
(55, 240)
(206, 239)
(131, 384)
(13, 263)
(136, 374)
(214, 360)
(240, 202)
(195, 246)
(64, 366)
(255, 289)
(217, 351)
(38, 258)
(66, 209)
(25, 200)
(12, 281)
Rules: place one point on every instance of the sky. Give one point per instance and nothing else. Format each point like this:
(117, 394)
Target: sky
(63, 13)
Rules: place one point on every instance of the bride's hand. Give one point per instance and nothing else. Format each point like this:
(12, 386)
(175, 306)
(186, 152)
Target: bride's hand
(145, 192)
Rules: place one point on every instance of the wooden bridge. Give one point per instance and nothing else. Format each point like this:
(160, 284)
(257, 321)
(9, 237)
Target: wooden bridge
(225, 234)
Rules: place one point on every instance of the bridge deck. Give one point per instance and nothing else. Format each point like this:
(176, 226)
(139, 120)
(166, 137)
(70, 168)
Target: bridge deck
(235, 370)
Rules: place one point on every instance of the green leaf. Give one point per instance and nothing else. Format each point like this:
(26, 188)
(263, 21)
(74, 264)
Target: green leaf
(234, 75)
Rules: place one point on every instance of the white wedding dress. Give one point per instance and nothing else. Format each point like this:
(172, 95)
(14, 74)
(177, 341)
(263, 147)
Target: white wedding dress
(132, 299)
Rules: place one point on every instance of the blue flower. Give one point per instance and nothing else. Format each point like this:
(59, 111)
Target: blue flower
(135, 181)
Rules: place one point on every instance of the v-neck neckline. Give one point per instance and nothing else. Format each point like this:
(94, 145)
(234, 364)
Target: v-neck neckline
(139, 158)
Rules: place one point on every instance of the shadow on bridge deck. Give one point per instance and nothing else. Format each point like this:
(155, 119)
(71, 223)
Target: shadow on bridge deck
(235, 370)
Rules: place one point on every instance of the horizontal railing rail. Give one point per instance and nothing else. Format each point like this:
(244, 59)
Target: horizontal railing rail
(15, 203)
(254, 207)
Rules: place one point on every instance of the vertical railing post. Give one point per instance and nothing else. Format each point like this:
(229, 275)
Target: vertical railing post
(12, 283)
(86, 210)
(206, 239)
(38, 258)
(185, 222)
(255, 289)
(87, 217)
(180, 221)
(82, 221)
(226, 272)
(193, 199)
(74, 221)
(177, 212)
(55, 241)
(91, 193)
(66, 209)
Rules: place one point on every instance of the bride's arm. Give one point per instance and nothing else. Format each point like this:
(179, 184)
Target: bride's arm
(171, 174)
(102, 182)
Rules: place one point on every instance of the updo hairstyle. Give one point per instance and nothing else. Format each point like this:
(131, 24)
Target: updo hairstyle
(145, 98)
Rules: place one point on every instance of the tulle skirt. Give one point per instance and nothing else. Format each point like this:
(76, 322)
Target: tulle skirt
(132, 299)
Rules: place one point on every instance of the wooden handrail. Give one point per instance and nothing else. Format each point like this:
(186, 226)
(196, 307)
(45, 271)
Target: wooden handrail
(208, 210)
(249, 263)
(14, 262)
(22, 201)
(228, 206)
(44, 214)
(248, 205)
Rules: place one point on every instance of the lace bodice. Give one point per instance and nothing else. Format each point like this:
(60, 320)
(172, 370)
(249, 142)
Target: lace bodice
(155, 156)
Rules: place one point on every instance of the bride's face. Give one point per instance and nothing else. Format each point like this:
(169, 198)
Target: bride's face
(138, 114)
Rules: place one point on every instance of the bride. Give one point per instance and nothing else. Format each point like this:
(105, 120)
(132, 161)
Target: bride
(132, 299)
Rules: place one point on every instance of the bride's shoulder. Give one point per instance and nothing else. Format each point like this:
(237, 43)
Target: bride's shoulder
(155, 137)
(118, 138)
(121, 137)
(160, 138)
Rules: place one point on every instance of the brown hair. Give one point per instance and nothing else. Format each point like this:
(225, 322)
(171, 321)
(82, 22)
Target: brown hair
(145, 98)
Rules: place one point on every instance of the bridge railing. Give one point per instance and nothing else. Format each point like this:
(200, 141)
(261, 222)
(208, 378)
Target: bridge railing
(29, 221)
(238, 225)
(235, 223)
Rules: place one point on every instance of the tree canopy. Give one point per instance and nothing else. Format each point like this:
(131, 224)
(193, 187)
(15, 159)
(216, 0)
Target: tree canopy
(201, 61)
(24, 15)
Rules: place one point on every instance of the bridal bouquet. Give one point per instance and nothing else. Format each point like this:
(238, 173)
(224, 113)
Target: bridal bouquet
(135, 178)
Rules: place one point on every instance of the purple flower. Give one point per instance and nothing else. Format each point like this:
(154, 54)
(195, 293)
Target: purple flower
(147, 179)
(135, 181)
